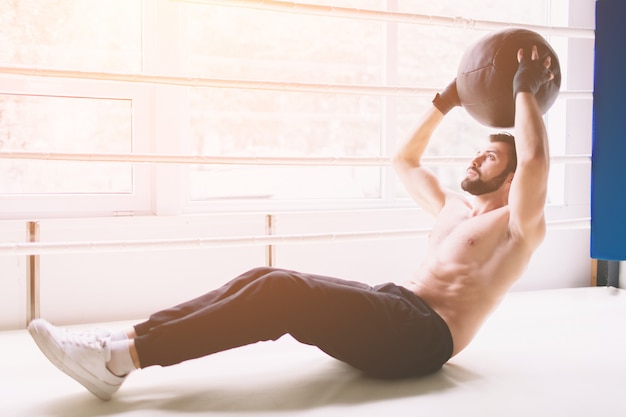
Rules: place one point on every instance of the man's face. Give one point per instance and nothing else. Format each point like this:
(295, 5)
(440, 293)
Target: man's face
(488, 170)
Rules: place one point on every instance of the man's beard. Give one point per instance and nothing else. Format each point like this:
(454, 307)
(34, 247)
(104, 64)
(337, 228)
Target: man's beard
(480, 187)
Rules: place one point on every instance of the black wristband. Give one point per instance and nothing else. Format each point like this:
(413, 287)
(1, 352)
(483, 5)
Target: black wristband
(447, 99)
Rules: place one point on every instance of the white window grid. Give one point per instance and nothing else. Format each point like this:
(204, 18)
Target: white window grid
(161, 188)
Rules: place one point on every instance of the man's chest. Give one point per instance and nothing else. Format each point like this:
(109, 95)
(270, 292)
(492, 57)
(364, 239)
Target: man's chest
(456, 232)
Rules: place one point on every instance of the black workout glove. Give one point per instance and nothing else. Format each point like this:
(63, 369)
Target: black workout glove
(530, 76)
(447, 99)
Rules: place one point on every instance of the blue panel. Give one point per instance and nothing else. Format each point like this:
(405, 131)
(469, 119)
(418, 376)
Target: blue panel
(608, 171)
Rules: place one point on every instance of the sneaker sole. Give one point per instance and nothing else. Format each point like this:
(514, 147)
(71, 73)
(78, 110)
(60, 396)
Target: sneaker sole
(41, 335)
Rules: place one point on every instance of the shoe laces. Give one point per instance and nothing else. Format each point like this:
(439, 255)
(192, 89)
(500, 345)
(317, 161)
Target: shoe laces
(96, 339)
(96, 333)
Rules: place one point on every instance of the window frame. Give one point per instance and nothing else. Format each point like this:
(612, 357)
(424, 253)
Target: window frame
(19, 206)
(161, 113)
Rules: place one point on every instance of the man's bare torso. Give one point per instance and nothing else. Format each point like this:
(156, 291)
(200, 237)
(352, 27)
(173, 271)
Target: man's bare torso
(472, 261)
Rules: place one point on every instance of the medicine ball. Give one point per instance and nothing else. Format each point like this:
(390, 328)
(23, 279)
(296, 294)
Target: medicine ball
(485, 76)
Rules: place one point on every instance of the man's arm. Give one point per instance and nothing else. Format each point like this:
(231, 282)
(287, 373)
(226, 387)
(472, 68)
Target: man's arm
(420, 182)
(528, 194)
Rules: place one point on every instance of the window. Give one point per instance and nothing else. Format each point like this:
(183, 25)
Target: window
(253, 81)
(73, 34)
(273, 46)
(65, 115)
(65, 124)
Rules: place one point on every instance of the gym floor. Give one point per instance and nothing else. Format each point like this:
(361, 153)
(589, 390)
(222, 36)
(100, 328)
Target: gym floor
(542, 353)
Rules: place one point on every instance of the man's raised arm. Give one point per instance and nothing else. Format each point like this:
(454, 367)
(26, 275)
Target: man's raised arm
(420, 182)
(528, 193)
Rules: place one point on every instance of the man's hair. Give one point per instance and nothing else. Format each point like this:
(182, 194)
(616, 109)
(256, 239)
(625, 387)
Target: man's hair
(507, 138)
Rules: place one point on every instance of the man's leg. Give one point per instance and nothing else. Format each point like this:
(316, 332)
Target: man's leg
(192, 306)
(100, 360)
(262, 304)
(373, 330)
(385, 331)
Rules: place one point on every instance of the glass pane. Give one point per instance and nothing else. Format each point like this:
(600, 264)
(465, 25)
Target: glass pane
(64, 124)
(233, 42)
(429, 56)
(358, 4)
(285, 182)
(266, 123)
(274, 123)
(75, 34)
(271, 45)
(515, 11)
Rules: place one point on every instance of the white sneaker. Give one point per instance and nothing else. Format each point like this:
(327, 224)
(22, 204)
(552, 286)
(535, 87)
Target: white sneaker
(81, 355)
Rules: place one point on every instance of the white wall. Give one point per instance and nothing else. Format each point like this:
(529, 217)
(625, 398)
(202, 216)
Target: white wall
(13, 278)
(116, 285)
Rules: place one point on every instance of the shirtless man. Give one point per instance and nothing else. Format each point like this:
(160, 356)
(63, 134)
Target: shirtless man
(477, 250)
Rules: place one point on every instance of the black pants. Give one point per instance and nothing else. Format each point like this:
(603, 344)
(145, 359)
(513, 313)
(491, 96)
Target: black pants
(385, 331)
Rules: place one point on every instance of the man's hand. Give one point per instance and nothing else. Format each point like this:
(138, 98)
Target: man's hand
(531, 74)
(447, 99)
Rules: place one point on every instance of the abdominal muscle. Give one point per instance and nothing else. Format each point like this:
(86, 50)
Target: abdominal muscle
(467, 272)
(462, 307)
